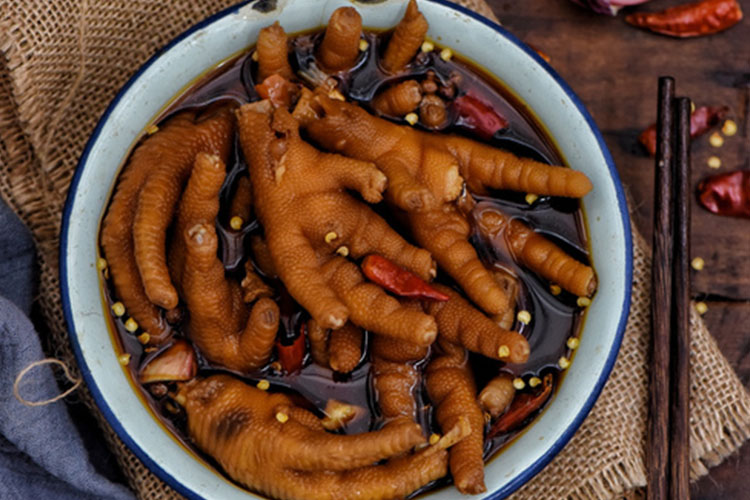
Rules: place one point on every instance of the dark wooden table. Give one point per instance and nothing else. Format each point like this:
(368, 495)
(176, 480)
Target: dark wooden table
(614, 68)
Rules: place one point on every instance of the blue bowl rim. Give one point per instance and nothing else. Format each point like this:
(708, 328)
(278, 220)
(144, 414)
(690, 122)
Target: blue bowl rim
(520, 478)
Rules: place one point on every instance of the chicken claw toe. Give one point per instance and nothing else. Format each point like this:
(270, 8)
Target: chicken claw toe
(133, 233)
(266, 443)
(345, 348)
(159, 196)
(461, 323)
(450, 384)
(220, 324)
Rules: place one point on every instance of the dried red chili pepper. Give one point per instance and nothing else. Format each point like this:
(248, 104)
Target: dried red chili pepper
(478, 116)
(726, 194)
(705, 17)
(702, 120)
(278, 89)
(292, 355)
(522, 406)
(398, 280)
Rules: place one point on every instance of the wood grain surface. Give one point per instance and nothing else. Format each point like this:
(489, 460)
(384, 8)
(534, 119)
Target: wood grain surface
(614, 68)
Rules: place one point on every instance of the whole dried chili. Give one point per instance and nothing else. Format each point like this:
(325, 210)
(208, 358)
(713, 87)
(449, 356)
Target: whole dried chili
(726, 194)
(478, 116)
(705, 17)
(702, 120)
(291, 355)
(521, 408)
(398, 280)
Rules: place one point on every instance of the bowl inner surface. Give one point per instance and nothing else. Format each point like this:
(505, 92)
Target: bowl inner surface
(227, 33)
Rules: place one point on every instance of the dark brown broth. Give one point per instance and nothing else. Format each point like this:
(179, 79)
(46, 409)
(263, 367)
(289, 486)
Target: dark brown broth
(555, 318)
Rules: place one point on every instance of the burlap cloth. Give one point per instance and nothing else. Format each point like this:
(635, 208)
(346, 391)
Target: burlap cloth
(62, 61)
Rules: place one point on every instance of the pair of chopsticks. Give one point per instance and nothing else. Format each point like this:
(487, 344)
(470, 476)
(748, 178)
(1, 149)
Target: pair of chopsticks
(668, 457)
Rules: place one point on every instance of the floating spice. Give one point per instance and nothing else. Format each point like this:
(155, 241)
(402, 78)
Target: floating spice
(521, 408)
(291, 352)
(705, 17)
(478, 116)
(236, 223)
(118, 308)
(726, 194)
(398, 280)
(524, 317)
(446, 54)
(702, 120)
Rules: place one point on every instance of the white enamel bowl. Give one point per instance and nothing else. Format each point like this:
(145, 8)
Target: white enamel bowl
(228, 32)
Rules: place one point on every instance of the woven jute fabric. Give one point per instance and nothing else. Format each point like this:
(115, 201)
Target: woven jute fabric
(62, 61)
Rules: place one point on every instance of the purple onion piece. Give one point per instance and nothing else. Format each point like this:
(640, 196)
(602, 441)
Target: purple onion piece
(608, 7)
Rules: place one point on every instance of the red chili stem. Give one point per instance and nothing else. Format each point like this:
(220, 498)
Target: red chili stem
(398, 280)
(521, 408)
(478, 116)
(704, 17)
(726, 194)
(702, 120)
(291, 356)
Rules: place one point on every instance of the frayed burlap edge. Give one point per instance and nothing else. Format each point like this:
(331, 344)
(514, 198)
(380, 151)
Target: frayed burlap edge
(43, 128)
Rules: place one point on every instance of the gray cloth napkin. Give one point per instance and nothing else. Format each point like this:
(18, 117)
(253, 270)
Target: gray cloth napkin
(42, 454)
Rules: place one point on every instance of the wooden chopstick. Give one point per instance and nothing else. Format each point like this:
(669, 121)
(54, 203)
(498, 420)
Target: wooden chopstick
(670, 307)
(661, 300)
(679, 415)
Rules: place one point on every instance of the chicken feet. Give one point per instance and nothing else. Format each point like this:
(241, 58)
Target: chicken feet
(395, 374)
(312, 224)
(451, 387)
(426, 173)
(134, 229)
(267, 443)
